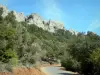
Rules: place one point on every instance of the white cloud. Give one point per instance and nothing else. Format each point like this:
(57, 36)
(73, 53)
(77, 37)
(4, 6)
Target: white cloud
(52, 10)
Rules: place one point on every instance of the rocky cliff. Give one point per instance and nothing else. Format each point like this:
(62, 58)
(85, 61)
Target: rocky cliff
(34, 18)
(5, 11)
(50, 25)
(73, 31)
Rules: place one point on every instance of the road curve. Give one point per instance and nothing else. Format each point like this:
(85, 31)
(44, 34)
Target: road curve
(55, 70)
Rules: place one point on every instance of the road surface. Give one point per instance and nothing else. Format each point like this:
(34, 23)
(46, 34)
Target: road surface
(55, 70)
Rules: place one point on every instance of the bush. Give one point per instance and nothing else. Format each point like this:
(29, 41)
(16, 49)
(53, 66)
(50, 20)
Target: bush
(95, 56)
(11, 57)
(95, 59)
(13, 61)
(71, 64)
(10, 54)
(5, 67)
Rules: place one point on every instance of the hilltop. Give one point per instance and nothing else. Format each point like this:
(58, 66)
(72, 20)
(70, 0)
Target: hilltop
(28, 41)
(34, 18)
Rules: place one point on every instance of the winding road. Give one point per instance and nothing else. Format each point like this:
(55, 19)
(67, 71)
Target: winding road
(56, 70)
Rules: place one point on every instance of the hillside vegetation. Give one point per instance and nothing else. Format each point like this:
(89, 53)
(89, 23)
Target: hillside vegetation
(26, 45)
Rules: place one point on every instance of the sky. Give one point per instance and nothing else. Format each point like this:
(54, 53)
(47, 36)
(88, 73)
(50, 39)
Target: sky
(79, 15)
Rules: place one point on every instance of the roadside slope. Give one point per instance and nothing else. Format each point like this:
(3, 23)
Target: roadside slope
(24, 71)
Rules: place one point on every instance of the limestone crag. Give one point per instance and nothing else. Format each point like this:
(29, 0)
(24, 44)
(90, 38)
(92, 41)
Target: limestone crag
(35, 19)
(73, 31)
(53, 25)
(19, 16)
(5, 11)
(50, 25)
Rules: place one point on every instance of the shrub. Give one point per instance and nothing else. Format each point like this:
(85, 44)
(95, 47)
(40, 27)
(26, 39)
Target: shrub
(71, 64)
(10, 53)
(13, 61)
(11, 57)
(4, 67)
(95, 56)
(95, 59)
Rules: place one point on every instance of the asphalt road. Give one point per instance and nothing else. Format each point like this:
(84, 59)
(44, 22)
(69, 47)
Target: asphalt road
(55, 70)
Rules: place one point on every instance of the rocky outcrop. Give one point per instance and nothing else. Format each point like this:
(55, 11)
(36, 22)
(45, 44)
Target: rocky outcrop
(34, 18)
(73, 31)
(5, 11)
(53, 25)
(50, 25)
(19, 16)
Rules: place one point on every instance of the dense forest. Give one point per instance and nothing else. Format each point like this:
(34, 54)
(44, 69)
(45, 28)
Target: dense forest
(26, 45)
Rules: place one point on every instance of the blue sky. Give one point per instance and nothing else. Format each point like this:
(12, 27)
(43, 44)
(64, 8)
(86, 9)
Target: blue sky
(80, 15)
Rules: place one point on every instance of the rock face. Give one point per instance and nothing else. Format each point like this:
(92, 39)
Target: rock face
(34, 18)
(19, 16)
(50, 25)
(53, 25)
(5, 11)
(73, 32)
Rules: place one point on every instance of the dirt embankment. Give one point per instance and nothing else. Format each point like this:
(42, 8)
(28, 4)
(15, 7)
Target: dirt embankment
(24, 71)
